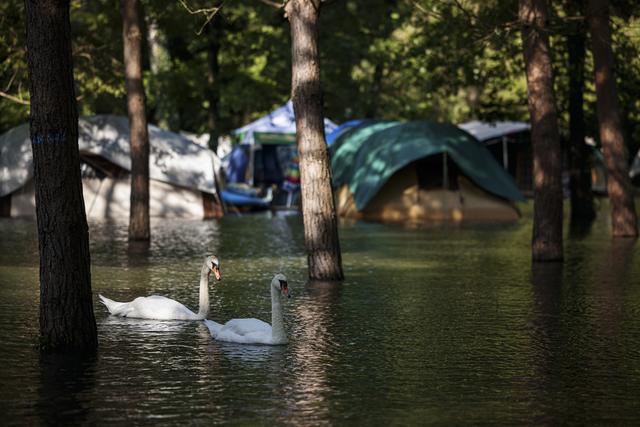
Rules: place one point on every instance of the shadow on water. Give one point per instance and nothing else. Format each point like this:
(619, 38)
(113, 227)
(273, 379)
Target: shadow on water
(138, 252)
(65, 391)
(580, 228)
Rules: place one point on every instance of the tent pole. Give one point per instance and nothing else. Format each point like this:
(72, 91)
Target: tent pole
(445, 171)
(251, 164)
(505, 154)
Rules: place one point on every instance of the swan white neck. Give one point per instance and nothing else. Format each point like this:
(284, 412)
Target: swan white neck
(278, 333)
(203, 310)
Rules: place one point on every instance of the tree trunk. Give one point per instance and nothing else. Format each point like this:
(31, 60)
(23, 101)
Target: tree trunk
(213, 91)
(67, 321)
(132, 35)
(545, 139)
(623, 214)
(320, 221)
(579, 153)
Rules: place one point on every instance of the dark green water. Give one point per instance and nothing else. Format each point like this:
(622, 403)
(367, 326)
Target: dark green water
(443, 325)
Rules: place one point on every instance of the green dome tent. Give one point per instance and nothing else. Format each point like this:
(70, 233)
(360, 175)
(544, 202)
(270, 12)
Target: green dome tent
(435, 158)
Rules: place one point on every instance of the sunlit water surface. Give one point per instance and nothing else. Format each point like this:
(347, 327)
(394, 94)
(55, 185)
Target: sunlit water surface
(442, 325)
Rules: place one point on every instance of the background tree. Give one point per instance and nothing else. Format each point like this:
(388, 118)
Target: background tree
(580, 163)
(545, 138)
(623, 215)
(66, 310)
(139, 227)
(318, 210)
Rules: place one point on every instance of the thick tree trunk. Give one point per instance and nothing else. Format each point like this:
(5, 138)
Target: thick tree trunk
(320, 221)
(623, 214)
(66, 309)
(213, 91)
(579, 156)
(132, 36)
(545, 139)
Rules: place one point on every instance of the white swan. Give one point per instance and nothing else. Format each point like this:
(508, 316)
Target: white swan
(162, 308)
(254, 331)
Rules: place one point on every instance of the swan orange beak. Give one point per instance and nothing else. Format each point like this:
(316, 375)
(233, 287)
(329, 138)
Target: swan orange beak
(216, 272)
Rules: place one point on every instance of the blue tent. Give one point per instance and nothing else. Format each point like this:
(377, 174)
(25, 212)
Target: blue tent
(277, 128)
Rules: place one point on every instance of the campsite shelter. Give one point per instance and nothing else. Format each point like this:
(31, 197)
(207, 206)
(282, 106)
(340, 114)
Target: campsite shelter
(419, 171)
(510, 144)
(182, 173)
(265, 147)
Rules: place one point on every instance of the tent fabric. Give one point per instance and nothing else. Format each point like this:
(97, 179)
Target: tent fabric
(344, 127)
(485, 131)
(375, 155)
(173, 158)
(276, 127)
(236, 164)
(345, 148)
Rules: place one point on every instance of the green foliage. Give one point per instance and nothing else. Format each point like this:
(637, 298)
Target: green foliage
(395, 59)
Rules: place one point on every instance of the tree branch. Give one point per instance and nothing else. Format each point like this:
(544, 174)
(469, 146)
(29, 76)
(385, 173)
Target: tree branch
(209, 13)
(273, 3)
(14, 99)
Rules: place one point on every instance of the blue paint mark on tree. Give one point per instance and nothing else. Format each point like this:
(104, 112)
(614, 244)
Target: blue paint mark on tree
(52, 137)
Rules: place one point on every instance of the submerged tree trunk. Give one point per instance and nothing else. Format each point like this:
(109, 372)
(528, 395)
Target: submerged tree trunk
(623, 214)
(213, 90)
(545, 139)
(320, 221)
(139, 228)
(66, 310)
(582, 209)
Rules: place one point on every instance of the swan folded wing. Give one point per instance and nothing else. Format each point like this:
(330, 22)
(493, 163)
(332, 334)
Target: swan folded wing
(162, 308)
(153, 307)
(245, 331)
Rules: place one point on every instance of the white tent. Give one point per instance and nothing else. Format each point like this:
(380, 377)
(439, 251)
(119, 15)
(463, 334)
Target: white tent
(485, 131)
(278, 123)
(182, 173)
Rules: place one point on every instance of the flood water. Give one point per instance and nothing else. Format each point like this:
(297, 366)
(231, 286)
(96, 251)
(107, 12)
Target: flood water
(440, 325)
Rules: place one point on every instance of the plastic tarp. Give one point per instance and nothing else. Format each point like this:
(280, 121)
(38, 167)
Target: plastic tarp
(277, 127)
(173, 158)
(485, 131)
(374, 155)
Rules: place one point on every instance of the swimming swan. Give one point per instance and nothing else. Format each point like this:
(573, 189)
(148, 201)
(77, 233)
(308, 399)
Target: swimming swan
(254, 331)
(162, 308)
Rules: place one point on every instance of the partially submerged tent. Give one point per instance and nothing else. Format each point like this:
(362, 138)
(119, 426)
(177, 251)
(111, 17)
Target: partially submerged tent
(264, 148)
(419, 171)
(182, 173)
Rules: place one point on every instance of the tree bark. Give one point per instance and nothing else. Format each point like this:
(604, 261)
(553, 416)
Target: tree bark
(67, 321)
(580, 163)
(545, 139)
(139, 228)
(320, 221)
(213, 91)
(623, 214)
